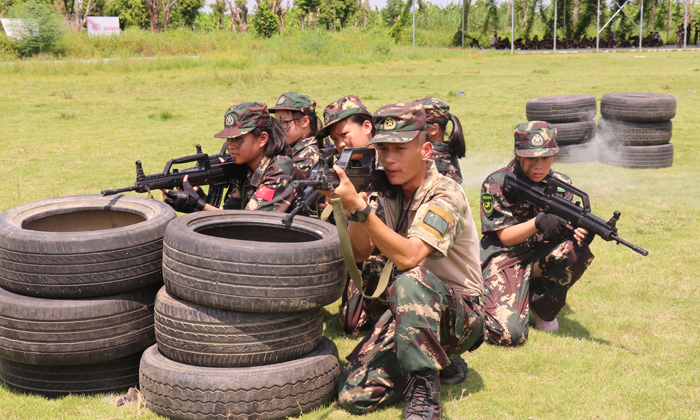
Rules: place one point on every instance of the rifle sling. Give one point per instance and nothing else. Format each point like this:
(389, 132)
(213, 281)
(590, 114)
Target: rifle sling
(355, 275)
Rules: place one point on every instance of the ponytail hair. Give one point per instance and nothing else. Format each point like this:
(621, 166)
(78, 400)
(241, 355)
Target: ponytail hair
(456, 141)
(315, 123)
(277, 139)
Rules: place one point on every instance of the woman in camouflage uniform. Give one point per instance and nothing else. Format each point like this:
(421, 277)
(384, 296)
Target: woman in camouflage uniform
(297, 114)
(445, 154)
(530, 258)
(348, 123)
(257, 140)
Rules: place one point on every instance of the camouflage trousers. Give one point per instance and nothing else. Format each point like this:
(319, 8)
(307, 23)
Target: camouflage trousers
(427, 323)
(359, 314)
(538, 279)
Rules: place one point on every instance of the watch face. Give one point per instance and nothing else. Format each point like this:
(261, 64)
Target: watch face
(360, 216)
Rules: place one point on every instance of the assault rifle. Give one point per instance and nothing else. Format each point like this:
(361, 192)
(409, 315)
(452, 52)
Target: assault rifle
(575, 214)
(368, 176)
(208, 170)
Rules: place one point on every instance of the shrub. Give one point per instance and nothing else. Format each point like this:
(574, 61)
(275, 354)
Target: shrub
(42, 29)
(264, 22)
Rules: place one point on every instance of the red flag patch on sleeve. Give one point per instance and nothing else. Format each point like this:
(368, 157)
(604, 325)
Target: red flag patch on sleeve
(265, 193)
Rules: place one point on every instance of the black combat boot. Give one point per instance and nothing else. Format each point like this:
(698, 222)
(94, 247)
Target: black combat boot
(423, 395)
(455, 373)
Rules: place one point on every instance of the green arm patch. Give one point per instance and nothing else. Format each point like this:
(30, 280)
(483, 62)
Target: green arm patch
(437, 221)
(487, 204)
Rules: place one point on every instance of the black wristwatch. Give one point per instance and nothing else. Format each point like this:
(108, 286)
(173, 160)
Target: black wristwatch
(361, 216)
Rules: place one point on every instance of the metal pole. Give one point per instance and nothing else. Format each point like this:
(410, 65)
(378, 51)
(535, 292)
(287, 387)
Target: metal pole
(597, 29)
(414, 23)
(463, 22)
(641, 22)
(555, 25)
(512, 27)
(668, 27)
(564, 34)
(685, 25)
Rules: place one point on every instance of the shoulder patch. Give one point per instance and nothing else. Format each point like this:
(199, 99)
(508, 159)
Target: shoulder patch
(265, 193)
(437, 221)
(487, 204)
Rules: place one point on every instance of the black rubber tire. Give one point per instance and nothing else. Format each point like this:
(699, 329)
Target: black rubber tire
(181, 391)
(249, 261)
(578, 153)
(575, 132)
(561, 108)
(56, 381)
(660, 156)
(64, 332)
(638, 106)
(631, 133)
(202, 336)
(48, 248)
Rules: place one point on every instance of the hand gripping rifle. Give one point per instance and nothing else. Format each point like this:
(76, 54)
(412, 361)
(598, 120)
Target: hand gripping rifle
(368, 175)
(548, 200)
(208, 170)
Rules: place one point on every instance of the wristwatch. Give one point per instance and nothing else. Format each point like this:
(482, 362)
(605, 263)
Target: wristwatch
(360, 216)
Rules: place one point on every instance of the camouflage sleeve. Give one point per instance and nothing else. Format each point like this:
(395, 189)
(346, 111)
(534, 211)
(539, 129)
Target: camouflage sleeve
(233, 196)
(440, 221)
(304, 160)
(275, 192)
(495, 211)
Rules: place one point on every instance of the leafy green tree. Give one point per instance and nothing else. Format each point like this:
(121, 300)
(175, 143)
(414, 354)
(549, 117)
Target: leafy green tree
(340, 11)
(218, 8)
(130, 12)
(392, 11)
(42, 29)
(264, 21)
(188, 10)
(307, 7)
(396, 31)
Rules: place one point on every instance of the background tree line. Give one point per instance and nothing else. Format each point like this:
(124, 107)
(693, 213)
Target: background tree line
(436, 25)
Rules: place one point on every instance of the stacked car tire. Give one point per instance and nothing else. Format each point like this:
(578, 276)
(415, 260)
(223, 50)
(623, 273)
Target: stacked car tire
(635, 129)
(574, 118)
(78, 278)
(239, 322)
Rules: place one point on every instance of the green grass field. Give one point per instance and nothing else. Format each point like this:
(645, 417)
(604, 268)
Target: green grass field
(629, 343)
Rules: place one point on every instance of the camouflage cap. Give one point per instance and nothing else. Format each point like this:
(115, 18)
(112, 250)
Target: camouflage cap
(243, 118)
(342, 108)
(294, 101)
(436, 111)
(535, 139)
(398, 123)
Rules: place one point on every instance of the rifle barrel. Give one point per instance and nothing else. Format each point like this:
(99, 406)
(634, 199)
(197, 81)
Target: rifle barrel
(633, 247)
(118, 190)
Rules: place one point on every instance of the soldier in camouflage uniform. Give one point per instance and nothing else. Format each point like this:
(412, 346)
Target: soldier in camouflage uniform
(349, 124)
(297, 114)
(258, 141)
(445, 155)
(426, 229)
(530, 258)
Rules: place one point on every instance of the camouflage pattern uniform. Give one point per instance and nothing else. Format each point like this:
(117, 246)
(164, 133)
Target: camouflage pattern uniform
(430, 319)
(535, 273)
(438, 112)
(305, 152)
(269, 187)
(353, 314)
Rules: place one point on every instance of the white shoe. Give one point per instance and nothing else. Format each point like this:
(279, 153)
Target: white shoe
(543, 325)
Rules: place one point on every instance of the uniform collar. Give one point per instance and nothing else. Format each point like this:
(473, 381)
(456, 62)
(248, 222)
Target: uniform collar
(302, 144)
(257, 177)
(430, 179)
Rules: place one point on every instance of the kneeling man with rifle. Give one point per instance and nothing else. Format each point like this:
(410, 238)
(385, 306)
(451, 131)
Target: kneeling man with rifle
(424, 229)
